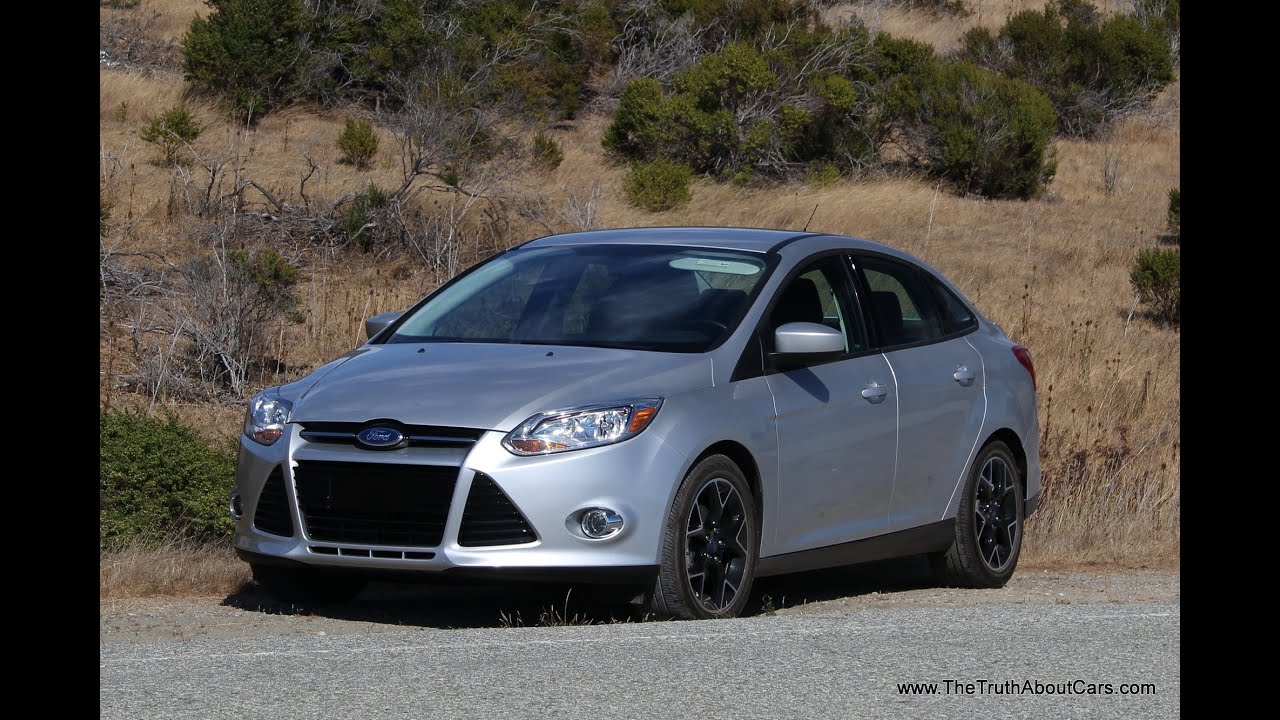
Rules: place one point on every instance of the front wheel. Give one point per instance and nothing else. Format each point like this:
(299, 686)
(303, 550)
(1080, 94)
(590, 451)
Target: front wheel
(988, 527)
(709, 545)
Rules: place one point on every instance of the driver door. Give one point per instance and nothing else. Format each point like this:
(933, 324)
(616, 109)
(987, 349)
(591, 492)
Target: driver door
(836, 443)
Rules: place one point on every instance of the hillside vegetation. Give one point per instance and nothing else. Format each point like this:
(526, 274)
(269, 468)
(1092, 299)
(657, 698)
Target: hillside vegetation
(256, 205)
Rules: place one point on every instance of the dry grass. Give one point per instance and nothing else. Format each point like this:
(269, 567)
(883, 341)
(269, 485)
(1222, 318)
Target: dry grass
(172, 17)
(938, 29)
(171, 570)
(1052, 272)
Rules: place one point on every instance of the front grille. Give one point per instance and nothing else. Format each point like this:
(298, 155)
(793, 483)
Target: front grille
(490, 518)
(272, 515)
(374, 503)
(419, 435)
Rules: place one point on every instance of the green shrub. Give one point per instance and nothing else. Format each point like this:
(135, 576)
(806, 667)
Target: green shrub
(742, 110)
(547, 154)
(173, 130)
(982, 132)
(1094, 70)
(159, 480)
(742, 20)
(820, 174)
(104, 214)
(1175, 212)
(358, 143)
(247, 51)
(637, 130)
(358, 214)
(1156, 277)
(268, 268)
(899, 56)
(659, 184)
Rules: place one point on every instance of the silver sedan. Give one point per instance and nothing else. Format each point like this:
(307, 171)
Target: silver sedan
(675, 410)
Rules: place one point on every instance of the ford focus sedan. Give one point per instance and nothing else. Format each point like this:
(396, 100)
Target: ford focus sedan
(677, 410)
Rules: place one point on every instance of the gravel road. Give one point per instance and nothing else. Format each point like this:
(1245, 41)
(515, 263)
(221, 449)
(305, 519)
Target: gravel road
(836, 647)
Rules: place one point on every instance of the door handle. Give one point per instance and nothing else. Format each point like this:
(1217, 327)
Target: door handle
(875, 393)
(964, 376)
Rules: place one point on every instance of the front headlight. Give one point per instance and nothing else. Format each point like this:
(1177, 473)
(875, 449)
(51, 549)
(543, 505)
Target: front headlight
(583, 427)
(266, 418)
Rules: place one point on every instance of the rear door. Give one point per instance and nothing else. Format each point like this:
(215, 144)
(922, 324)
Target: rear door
(835, 443)
(939, 376)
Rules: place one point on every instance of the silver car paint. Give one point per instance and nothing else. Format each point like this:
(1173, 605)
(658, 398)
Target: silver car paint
(836, 451)
(939, 419)
(490, 386)
(495, 387)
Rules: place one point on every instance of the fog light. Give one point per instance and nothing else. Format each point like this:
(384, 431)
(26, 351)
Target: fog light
(235, 506)
(601, 523)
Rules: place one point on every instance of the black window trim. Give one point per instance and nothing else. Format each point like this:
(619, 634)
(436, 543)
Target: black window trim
(760, 342)
(865, 291)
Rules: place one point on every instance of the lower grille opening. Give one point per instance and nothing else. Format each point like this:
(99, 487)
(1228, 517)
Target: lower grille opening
(272, 514)
(374, 503)
(490, 518)
(391, 554)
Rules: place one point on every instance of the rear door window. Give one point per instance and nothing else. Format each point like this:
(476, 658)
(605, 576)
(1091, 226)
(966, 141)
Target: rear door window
(901, 303)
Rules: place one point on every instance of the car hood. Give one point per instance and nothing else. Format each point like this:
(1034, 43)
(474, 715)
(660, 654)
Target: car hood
(484, 386)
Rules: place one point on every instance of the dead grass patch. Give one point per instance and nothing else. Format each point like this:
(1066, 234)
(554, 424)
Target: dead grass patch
(178, 569)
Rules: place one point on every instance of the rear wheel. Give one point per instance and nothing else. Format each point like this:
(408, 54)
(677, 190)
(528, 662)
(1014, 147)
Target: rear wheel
(289, 584)
(709, 545)
(988, 528)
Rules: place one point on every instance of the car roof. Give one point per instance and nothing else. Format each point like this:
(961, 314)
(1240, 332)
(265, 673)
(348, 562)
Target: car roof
(726, 238)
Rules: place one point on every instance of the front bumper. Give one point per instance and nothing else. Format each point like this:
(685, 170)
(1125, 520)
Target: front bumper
(637, 478)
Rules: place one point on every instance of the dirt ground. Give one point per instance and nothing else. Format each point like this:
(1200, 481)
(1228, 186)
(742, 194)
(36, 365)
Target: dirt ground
(384, 606)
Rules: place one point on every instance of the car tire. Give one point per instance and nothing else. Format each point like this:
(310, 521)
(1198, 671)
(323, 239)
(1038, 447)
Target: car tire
(304, 585)
(988, 525)
(708, 553)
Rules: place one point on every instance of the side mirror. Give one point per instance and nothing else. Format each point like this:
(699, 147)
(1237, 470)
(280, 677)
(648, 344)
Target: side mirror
(379, 322)
(801, 343)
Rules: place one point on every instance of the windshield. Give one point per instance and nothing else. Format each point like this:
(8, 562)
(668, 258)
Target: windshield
(662, 298)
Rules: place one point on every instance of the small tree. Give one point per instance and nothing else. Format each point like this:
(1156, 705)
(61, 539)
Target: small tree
(659, 184)
(1157, 279)
(247, 51)
(1175, 212)
(547, 154)
(173, 130)
(358, 143)
(360, 214)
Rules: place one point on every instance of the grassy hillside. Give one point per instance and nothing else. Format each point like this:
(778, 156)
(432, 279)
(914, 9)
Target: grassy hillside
(1053, 272)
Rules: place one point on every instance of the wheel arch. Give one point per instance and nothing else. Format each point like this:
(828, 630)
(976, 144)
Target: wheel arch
(746, 462)
(1014, 443)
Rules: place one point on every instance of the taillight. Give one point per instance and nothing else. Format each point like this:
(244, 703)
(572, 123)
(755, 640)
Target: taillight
(1024, 357)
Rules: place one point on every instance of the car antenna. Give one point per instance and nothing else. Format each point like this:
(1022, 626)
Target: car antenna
(806, 222)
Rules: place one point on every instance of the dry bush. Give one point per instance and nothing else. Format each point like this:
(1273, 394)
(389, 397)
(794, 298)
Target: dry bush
(131, 36)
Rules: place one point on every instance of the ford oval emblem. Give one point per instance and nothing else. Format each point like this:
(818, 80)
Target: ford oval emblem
(380, 437)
